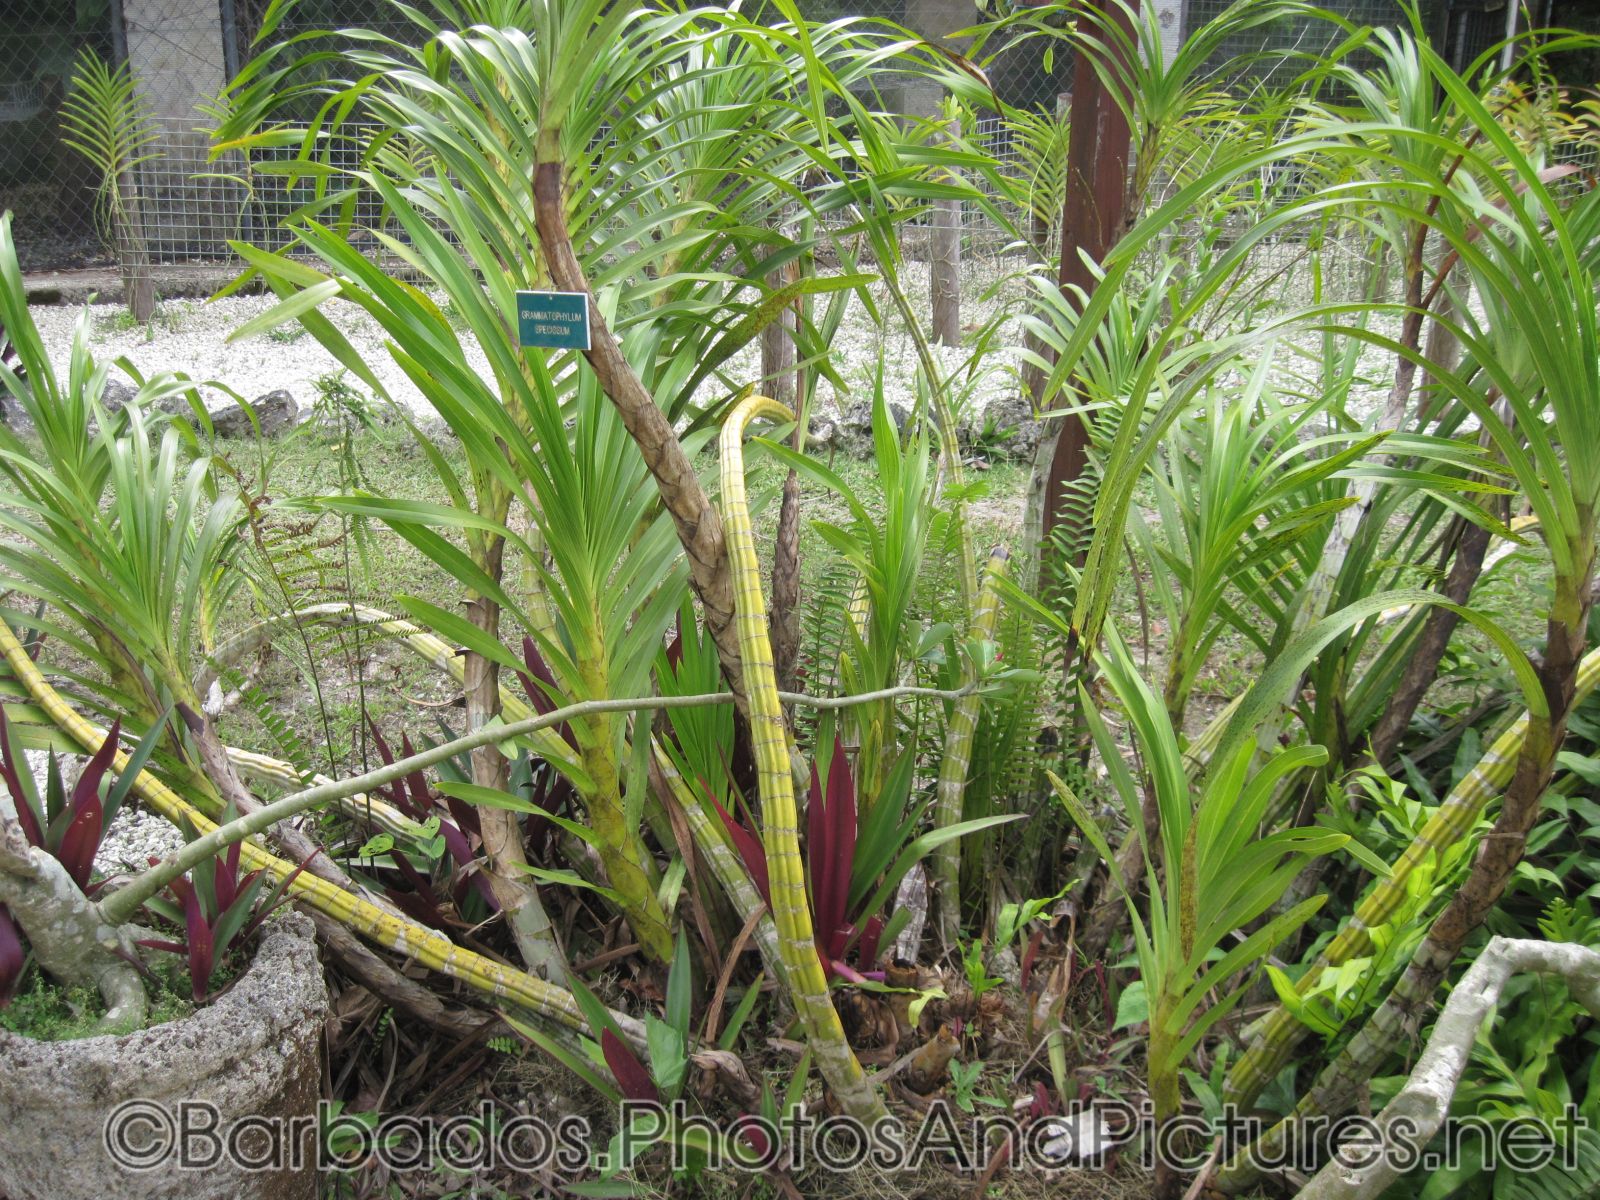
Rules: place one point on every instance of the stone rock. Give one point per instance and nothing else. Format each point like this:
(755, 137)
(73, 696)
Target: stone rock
(1006, 966)
(435, 429)
(853, 434)
(276, 412)
(1081, 1138)
(175, 405)
(13, 414)
(117, 396)
(1004, 428)
(254, 1052)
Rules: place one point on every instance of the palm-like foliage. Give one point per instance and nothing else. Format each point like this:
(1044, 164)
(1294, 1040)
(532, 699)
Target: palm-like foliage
(886, 548)
(695, 137)
(604, 581)
(107, 119)
(666, 146)
(1182, 115)
(110, 528)
(1244, 498)
(1214, 873)
(1237, 490)
(1528, 377)
(1037, 170)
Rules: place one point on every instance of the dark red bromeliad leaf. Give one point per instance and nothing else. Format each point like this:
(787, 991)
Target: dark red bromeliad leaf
(225, 879)
(867, 947)
(8, 771)
(749, 847)
(630, 1074)
(81, 839)
(201, 948)
(1043, 1104)
(394, 792)
(549, 792)
(831, 852)
(413, 797)
(12, 956)
(94, 772)
(538, 673)
(750, 1132)
(86, 825)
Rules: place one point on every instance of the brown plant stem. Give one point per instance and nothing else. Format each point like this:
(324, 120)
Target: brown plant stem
(698, 523)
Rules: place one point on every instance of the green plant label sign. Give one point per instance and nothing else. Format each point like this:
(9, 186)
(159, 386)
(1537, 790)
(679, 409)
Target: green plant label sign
(554, 320)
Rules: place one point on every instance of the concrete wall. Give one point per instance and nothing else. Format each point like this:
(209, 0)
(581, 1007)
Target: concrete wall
(175, 49)
(1169, 17)
(937, 19)
(934, 20)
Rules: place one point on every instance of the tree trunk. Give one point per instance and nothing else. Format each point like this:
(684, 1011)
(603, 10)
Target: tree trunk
(944, 265)
(1099, 144)
(133, 252)
(782, 378)
(1423, 666)
(698, 523)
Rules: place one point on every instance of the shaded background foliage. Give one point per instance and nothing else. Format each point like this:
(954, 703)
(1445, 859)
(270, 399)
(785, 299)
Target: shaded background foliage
(187, 45)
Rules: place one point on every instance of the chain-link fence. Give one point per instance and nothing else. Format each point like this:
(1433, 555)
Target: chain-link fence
(47, 185)
(182, 52)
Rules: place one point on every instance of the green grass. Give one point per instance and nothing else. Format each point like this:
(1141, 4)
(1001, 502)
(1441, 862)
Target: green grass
(168, 316)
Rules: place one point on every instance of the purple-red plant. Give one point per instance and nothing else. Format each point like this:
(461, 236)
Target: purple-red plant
(749, 846)
(633, 1079)
(832, 863)
(218, 910)
(13, 956)
(831, 855)
(68, 828)
(460, 831)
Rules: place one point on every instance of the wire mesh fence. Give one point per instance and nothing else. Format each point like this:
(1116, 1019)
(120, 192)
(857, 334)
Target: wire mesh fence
(47, 185)
(182, 52)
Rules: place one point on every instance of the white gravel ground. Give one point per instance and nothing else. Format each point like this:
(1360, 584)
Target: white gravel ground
(191, 337)
(134, 837)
